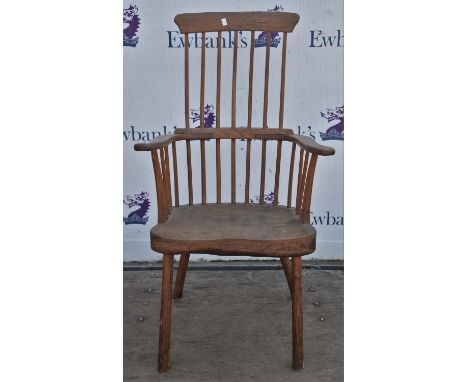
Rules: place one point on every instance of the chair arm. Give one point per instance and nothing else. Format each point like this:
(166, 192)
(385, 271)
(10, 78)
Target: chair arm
(156, 144)
(309, 144)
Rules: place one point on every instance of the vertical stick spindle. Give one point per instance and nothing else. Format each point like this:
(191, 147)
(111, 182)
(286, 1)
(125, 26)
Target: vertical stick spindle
(233, 118)
(218, 120)
(187, 120)
(176, 177)
(299, 178)
(291, 173)
(202, 121)
(283, 78)
(305, 212)
(265, 117)
(249, 118)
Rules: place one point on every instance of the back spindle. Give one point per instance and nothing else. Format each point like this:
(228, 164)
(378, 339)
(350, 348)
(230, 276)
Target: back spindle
(176, 176)
(233, 119)
(267, 75)
(265, 118)
(187, 119)
(202, 121)
(283, 78)
(218, 120)
(280, 119)
(249, 118)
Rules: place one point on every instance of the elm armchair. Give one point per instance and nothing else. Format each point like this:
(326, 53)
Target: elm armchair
(234, 227)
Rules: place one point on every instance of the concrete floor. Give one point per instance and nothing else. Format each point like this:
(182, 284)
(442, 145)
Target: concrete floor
(234, 326)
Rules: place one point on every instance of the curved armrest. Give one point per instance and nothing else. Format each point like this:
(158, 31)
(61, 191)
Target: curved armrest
(309, 144)
(156, 144)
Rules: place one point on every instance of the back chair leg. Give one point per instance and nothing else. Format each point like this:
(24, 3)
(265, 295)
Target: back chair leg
(286, 263)
(180, 278)
(164, 356)
(297, 323)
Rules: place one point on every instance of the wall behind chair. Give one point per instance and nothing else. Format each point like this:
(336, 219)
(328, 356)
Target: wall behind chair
(154, 105)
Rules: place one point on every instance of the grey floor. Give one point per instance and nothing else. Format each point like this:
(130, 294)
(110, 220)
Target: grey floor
(234, 326)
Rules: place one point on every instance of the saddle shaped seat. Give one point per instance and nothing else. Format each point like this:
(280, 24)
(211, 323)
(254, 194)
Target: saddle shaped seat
(234, 229)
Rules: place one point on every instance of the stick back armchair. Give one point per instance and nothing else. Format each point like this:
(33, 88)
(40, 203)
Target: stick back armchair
(233, 227)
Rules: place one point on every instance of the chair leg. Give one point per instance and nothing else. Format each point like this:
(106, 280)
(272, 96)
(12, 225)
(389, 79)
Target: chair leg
(286, 263)
(164, 356)
(180, 278)
(297, 323)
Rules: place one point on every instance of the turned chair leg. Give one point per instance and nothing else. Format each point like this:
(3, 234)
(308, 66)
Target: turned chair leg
(286, 263)
(180, 278)
(164, 356)
(297, 323)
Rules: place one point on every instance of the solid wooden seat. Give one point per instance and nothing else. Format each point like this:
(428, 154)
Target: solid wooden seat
(234, 229)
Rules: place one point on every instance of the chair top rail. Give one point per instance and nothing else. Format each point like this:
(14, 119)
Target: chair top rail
(236, 21)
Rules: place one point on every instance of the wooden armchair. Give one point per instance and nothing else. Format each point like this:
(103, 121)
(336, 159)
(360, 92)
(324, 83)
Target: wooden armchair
(234, 227)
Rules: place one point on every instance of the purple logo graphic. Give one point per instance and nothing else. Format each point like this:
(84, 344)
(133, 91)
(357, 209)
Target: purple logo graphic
(336, 131)
(209, 116)
(142, 202)
(268, 198)
(131, 22)
(274, 36)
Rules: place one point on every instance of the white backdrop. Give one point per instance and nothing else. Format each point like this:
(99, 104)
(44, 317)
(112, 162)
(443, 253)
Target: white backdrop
(153, 105)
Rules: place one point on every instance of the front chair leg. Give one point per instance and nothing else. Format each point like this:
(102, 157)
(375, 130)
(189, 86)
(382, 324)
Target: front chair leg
(164, 356)
(180, 278)
(297, 323)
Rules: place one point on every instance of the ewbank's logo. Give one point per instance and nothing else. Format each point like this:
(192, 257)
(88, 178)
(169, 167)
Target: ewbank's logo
(137, 216)
(209, 116)
(275, 39)
(336, 131)
(326, 219)
(131, 22)
(320, 40)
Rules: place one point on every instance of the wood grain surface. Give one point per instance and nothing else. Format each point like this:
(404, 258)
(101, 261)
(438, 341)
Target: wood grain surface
(236, 21)
(234, 229)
